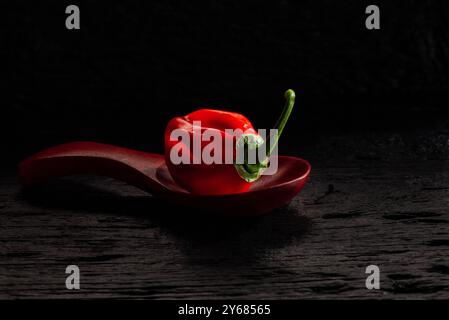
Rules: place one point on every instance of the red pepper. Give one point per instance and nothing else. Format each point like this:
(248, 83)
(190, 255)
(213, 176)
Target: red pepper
(213, 179)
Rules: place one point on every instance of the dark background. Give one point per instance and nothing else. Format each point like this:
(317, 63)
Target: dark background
(371, 117)
(136, 64)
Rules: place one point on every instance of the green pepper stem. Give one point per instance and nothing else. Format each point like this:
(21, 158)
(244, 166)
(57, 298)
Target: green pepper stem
(252, 172)
(280, 124)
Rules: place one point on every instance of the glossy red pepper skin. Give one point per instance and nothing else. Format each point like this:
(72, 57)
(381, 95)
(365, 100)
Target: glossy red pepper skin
(208, 179)
(228, 176)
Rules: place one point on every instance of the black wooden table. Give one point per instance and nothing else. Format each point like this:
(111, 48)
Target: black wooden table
(355, 213)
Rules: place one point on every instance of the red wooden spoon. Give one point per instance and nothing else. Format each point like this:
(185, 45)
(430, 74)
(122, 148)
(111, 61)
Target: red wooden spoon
(148, 172)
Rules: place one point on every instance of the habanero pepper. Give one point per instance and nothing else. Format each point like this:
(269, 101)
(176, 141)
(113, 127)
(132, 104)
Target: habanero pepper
(222, 178)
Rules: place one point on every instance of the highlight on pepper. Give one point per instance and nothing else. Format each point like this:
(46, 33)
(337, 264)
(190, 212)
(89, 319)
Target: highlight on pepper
(213, 152)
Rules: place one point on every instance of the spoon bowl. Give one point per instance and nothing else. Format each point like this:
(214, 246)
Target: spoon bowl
(149, 172)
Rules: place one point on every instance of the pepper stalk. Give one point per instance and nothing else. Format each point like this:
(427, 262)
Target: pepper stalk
(252, 172)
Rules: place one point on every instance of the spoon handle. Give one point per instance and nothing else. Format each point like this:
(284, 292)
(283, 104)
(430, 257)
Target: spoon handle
(134, 167)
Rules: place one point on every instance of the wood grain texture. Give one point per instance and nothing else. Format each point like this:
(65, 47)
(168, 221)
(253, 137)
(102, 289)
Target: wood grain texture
(129, 245)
